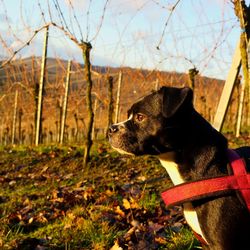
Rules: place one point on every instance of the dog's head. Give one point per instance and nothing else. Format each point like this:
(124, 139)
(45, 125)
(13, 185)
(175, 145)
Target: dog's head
(155, 124)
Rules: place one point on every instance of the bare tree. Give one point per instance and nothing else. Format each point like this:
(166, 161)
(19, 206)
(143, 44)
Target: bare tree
(86, 48)
(243, 13)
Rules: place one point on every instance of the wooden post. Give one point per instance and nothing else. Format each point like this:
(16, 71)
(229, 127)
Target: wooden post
(41, 88)
(248, 118)
(117, 106)
(14, 120)
(94, 121)
(59, 122)
(20, 114)
(1, 131)
(110, 105)
(240, 109)
(65, 102)
(227, 90)
(157, 84)
(77, 128)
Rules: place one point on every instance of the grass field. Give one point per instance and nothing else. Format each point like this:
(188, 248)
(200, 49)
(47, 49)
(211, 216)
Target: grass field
(49, 201)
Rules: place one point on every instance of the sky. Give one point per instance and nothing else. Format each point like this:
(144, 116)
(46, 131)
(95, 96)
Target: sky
(133, 33)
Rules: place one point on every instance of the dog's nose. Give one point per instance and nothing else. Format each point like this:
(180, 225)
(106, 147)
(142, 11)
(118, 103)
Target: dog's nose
(113, 128)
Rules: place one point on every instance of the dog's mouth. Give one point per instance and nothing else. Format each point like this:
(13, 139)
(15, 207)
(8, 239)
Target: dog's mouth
(125, 144)
(121, 151)
(122, 143)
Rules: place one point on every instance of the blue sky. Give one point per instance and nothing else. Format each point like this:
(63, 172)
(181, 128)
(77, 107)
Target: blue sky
(200, 32)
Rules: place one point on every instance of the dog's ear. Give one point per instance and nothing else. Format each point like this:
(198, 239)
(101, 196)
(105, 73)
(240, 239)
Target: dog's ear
(175, 99)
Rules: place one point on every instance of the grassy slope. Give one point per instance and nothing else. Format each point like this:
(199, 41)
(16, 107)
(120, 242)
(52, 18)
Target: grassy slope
(48, 200)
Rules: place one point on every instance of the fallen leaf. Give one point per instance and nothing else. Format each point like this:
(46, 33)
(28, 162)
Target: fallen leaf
(129, 233)
(116, 247)
(135, 223)
(109, 192)
(126, 203)
(133, 203)
(41, 218)
(31, 220)
(44, 169)
(120, 212)
(160, 240)
(71, 216)
(155, 227)
(12, 183)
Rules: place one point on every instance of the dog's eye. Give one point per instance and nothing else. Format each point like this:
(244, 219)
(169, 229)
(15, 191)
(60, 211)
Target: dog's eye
(139, 117)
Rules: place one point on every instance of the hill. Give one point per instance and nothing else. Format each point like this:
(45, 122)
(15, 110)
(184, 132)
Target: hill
(23, 75)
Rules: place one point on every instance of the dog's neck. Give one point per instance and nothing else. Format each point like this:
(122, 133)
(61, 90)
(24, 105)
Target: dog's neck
(168, 162)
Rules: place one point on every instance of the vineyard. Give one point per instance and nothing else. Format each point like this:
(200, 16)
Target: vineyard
(135, 84)
(48, 100)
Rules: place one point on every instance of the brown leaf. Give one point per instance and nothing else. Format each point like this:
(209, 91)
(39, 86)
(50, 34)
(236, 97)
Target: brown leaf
(160, 240)
(155, 227)
(19, 216)
(135, 223)
(88, 194)
(71, 216)
(120, 212)
(130, 204)
(44, 169)
(129, 233)
(116, 247)
(30, 220)
(109, 193)
(41, 218)
(126, 203)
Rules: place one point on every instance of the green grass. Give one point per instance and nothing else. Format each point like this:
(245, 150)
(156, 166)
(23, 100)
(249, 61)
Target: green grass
(47, 198)
(183, 240)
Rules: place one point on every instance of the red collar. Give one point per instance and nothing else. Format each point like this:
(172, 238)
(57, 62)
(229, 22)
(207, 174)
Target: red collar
(191, 191)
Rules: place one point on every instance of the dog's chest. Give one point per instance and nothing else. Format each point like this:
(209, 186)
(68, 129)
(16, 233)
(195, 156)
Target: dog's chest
(189, 212)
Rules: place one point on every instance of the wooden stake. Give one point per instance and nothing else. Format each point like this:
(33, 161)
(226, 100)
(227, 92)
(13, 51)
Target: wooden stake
(248, 118)
(110, 105)
(41, 88)
(20, 114)
(240, 109)
(157, 84)
(65, 102)
(228, 89)
(14, 120)
(94, 121)
(117, 106)
(1, 131)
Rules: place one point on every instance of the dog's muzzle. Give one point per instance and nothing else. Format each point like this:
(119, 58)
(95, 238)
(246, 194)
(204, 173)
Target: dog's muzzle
(114, 128)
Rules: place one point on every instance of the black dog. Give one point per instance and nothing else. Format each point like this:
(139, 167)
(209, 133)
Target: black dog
(165, 124)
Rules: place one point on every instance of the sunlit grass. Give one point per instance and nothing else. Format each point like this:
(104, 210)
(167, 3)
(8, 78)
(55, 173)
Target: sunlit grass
(37, 186)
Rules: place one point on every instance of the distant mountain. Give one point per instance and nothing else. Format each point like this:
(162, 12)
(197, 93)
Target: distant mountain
(135, 82)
